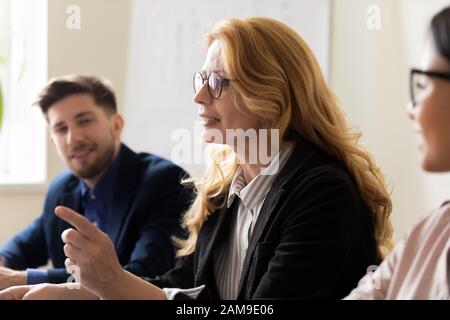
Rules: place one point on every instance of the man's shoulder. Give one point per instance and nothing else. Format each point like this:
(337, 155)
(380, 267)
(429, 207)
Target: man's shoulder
(156, 168)
(62, 180)
(150, 159)
(144, 160)
(154, 165)
(63, 183)
(150, 170)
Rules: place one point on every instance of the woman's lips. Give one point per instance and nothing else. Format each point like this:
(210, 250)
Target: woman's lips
(209, 121)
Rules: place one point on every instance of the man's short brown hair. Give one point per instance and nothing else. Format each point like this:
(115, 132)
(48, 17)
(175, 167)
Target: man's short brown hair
(59, 88)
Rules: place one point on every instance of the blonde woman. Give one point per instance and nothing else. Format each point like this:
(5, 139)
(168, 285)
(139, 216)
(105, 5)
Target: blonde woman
(307, 225)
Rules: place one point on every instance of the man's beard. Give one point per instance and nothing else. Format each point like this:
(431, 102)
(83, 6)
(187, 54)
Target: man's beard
(99, 164)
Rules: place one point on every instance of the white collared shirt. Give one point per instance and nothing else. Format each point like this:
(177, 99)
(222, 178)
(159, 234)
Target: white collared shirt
(229, 256)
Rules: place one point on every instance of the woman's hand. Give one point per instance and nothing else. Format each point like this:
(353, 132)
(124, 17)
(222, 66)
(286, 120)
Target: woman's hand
(46, 291)
(15, 293)
(91, 256)
(92, 261)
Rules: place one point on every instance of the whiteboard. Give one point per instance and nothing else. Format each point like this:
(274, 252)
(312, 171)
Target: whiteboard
(166, 49)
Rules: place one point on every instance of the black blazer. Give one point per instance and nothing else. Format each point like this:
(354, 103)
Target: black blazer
(314, 237)
(147, 207)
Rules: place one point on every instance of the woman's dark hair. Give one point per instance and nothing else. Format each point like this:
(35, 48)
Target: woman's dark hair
(440, 31)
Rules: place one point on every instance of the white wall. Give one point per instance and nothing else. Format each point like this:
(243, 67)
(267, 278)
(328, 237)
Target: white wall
(98, 48)
(370, 74)
(166, 50)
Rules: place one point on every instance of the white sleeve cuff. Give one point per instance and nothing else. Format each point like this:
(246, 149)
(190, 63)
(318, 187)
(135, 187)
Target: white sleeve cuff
(191, 293)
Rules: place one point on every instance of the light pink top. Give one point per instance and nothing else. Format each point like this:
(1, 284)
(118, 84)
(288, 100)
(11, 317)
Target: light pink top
(418, 267)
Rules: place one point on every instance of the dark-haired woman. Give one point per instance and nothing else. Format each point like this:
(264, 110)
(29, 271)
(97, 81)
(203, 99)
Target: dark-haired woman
(419, 266)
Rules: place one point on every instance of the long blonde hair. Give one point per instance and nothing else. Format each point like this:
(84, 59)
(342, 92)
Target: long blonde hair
(279, 80)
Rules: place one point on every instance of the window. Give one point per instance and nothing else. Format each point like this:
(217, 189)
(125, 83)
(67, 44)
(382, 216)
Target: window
(23, 73)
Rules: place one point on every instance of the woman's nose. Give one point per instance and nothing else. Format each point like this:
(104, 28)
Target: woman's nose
(202, 96)
(410, 110)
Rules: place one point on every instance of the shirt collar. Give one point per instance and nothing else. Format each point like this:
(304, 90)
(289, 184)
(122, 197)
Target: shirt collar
(254, 192)
(104, 188)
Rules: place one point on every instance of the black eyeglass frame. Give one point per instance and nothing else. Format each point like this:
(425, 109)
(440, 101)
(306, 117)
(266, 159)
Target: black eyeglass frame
(434, 74)
(205, 78)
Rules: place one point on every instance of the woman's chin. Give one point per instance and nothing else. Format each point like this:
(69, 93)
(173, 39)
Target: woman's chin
(212, 136)
(429, 165)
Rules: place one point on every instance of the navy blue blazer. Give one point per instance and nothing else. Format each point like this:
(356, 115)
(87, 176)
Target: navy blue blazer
(147, 207)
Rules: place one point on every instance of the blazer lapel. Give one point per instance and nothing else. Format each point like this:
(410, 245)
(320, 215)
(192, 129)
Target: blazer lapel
(71, 199)
(265, 213)
(127, 179)
(214, 230)
(120, 206)
(302, 153)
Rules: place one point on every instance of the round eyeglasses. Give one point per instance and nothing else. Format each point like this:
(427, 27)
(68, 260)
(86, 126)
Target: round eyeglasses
(418, 82)
(215, 83)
